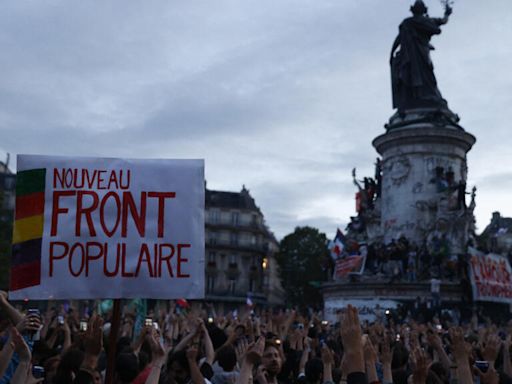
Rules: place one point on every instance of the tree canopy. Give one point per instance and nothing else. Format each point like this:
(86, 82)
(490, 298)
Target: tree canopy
(302, 260)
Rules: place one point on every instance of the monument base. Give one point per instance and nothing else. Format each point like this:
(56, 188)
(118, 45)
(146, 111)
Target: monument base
(440, 117)
(424, 172)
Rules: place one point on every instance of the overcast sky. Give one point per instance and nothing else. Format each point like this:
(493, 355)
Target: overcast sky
(284, 96)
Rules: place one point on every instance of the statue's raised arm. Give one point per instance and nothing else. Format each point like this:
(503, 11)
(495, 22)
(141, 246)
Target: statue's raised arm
(447, 12)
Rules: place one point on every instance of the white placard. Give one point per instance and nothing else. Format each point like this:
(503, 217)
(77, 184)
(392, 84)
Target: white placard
(113, 228)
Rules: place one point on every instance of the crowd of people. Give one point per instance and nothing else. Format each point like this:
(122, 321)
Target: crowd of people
(194, 344)
(406, 261)
(402, 260)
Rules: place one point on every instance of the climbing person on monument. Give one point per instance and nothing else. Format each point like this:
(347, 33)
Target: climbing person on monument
(412, 72)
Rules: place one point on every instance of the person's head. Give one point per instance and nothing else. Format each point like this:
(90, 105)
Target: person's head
(178, 370)
(217, 336)
(123, 344)
(50, 367)
(127, 367)
(240, 330)
(314, 370)
(400, 356)
(419, 8)
(69, 366)
(271, 359)
(226, 357)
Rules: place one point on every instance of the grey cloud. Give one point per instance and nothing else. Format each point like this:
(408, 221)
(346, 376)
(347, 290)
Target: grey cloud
(282, 96)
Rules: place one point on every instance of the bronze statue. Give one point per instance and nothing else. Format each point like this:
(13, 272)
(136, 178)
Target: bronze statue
(412, 73)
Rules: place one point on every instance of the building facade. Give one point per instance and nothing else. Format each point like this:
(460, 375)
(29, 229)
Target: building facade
(239, 252)
(497, 236)
(7, 200)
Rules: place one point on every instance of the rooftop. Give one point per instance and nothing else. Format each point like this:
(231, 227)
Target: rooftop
(238, 200)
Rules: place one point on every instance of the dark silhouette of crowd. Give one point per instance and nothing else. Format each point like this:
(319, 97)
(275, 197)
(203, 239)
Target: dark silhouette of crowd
(193, 343)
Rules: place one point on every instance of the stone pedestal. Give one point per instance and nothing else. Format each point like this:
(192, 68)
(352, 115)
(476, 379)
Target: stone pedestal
(415, 202)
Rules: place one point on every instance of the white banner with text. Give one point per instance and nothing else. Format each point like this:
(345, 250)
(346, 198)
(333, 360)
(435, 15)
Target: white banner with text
(90, 228)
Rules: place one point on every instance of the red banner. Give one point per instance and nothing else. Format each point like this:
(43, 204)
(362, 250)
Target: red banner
(491, 277)
(349, 264)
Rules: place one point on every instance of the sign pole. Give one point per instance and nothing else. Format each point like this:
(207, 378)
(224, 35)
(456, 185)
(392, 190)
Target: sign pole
(112, 341)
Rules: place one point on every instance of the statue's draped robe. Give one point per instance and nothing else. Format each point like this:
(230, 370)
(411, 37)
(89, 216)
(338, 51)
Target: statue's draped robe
(412, 72)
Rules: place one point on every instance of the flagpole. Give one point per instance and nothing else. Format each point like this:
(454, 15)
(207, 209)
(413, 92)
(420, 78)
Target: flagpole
(112, 341)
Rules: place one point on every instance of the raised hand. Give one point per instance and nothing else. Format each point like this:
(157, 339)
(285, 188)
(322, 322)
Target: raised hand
(192, 352)
(157, 351)
(93, 338)
(370, 355)
(434, 340)
(327, 356)
(255, 351)
(3, 296)
(21, 347)
(241, 348)
(23, 374)
(351, 337)
(491, 349)
(261, 374)
(460, 348)
(419, 362)
(386, 354)
(461, 352)
(489, 377)
(30, 323)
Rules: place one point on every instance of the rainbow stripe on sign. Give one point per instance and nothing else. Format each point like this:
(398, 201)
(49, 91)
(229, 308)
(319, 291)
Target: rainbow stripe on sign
(28, 229)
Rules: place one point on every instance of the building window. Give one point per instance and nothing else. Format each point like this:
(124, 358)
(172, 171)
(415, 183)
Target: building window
(213, 238)
(214, 216)
(253, 239)
(211, 256)
(251, 284)
(210, 284)
(234, 238)
(232, 287)
(235, 218)
(232, 258)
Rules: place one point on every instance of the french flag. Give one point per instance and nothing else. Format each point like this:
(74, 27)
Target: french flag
(337, 245)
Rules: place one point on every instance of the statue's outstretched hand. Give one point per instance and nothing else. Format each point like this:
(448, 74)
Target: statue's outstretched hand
(448, 11)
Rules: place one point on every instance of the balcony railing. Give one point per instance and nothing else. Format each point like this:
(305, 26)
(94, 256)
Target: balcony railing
(239, 224)
(212, 243)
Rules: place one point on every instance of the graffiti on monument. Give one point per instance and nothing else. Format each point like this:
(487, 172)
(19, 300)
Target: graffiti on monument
(395, 227)
(407, 226)
(423, 205)
(398, 169)
(417, 188)
(389, 223)
(433, 162)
